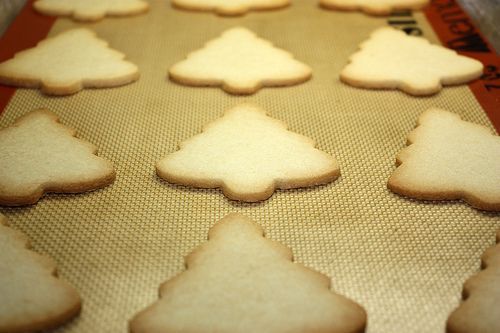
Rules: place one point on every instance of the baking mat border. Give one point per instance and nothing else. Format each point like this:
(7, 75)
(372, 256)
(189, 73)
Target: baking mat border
(455, 30)
(27, 29)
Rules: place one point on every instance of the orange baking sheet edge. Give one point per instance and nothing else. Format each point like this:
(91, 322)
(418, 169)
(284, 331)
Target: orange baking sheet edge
(450, 22)
(456, 31)
(26, 31)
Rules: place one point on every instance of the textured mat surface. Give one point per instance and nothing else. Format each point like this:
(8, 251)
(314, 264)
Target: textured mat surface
(403, 260)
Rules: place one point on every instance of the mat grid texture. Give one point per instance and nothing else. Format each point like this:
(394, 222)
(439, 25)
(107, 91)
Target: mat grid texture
(404, 260)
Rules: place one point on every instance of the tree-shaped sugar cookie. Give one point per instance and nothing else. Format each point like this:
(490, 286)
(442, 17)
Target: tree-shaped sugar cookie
(241, 63)
(233, 7)
(32, 298)
(390, 59)
(248, 155)
(480, 311)
(241, 282)
(448, 158)
(90, 10)
(38, 154)
(374, 7)
(67, 63)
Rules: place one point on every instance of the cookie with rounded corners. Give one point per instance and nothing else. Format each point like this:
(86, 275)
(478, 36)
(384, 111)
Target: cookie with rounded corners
(230, 8)
(448, 158)
(391, 59)
(379, 7)
(480, 310)
(248, 154)
(90, 10)
(240, 281)
(39, 155)
(33, 298)
(240, 63)
(67, 63)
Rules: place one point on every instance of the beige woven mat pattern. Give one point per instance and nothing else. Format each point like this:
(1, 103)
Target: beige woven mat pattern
(403, 260)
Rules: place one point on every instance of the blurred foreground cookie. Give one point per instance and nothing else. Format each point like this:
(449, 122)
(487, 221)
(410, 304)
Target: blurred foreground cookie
(390, 59)
(480, 311)
(90, 10)
(32, 298)
(448, 158)
(248, 155)
(67, 63)
(241, 282)
(232, 7)
(38, 154)
(241, 63)
(375, 7)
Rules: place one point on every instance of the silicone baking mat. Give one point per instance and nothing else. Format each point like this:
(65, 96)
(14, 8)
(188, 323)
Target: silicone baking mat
(404, 260)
